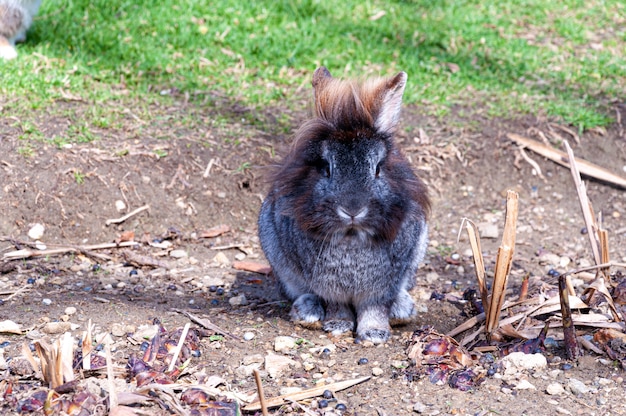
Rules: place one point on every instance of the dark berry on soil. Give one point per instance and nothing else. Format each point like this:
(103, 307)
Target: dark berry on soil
(363, 361)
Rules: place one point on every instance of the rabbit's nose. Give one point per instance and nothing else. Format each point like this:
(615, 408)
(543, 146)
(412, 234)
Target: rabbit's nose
(352, 215)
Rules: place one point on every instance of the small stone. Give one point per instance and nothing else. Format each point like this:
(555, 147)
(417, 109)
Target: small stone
(117, 330)
(284, 343)
(178, 254)
(240, 256)
(419, 407)
(555, 389)
(253, 359)
(488, 230)
(221, 259)
(308, 366)
(248, 336)
(40, 246)
(209, 281)
(550, 259)
(36, 231)
(432, 277)
(525, 385)
(120, 205)
(247, 370)
(377, 371)
(518, 361)
(276, 365)
(52, 328)
(221, 195)
(47, 301)
(577, 387)
(238, 300)
(70, 310)
(562, 411)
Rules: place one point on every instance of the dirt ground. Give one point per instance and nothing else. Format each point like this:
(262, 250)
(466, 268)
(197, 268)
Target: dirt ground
(198, 167)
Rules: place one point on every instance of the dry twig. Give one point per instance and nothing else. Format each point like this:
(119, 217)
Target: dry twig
(127, 216)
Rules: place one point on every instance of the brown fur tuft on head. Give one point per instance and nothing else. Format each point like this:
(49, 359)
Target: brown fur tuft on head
(352, 105)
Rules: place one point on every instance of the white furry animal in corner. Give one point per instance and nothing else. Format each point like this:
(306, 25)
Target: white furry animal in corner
(16, 16)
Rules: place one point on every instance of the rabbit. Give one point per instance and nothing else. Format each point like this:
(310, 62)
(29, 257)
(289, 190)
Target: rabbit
(344, 224)
(16, 16)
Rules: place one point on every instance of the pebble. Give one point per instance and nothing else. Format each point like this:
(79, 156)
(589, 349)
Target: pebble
(253, 359)
(221, 259)
(525, 385)
(284, 343)
(178, 254)
(120, 205)
(555, 389)
(240, 300)
(488, 230)
(240, 256)
(377, 371)
(577, 387)
(70, 310)
(36, 231)
(562, 411)
(432, 277)
(248, 336)
(56, 327)
(518, 361)
(212, 281)
(419, 407)
(47, 301)
(276, 365)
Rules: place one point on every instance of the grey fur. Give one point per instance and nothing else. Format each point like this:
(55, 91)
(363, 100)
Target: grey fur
(346, 269)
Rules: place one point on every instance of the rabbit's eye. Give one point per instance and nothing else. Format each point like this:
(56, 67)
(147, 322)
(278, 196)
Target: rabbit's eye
(377, 170)
(324, 168)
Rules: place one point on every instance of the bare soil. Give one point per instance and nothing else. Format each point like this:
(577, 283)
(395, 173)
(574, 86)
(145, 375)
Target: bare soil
(198, 167)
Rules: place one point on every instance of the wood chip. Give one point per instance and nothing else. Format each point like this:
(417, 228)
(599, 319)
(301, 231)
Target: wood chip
(251, 266)
(214, 231)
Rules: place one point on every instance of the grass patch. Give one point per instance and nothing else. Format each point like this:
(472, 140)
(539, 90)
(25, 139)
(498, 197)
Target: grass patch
(565, 59)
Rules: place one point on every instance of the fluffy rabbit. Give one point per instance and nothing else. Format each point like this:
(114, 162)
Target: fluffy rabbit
(344, 224)
(16, 16)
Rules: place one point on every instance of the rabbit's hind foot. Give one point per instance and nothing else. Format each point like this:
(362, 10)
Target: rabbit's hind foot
(339, 318)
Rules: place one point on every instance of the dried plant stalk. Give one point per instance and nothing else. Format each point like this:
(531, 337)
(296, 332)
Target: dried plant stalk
(559, 157)
(503, 263)
(306, 394)
(569, 330)
(479, 263)
(585, 206)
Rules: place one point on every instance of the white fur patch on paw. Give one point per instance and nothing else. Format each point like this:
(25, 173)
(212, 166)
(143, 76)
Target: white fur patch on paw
(403, 308)
(7, 52)
(376, 336)
(307, 308)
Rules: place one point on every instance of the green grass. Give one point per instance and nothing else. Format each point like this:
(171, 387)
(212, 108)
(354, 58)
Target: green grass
(563, 58)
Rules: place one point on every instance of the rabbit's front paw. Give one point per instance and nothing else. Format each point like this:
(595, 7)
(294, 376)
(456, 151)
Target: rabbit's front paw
(377, 336)
(307, 310)
(403, 309)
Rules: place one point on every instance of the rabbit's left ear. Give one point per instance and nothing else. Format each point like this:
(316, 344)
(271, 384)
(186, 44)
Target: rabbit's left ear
(391, 101)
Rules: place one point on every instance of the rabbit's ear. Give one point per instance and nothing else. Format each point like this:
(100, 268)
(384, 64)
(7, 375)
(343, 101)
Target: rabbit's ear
(321, 76)
(389, 112)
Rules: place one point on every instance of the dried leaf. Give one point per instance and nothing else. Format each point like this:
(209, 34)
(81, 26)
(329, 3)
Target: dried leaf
(214, 231)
